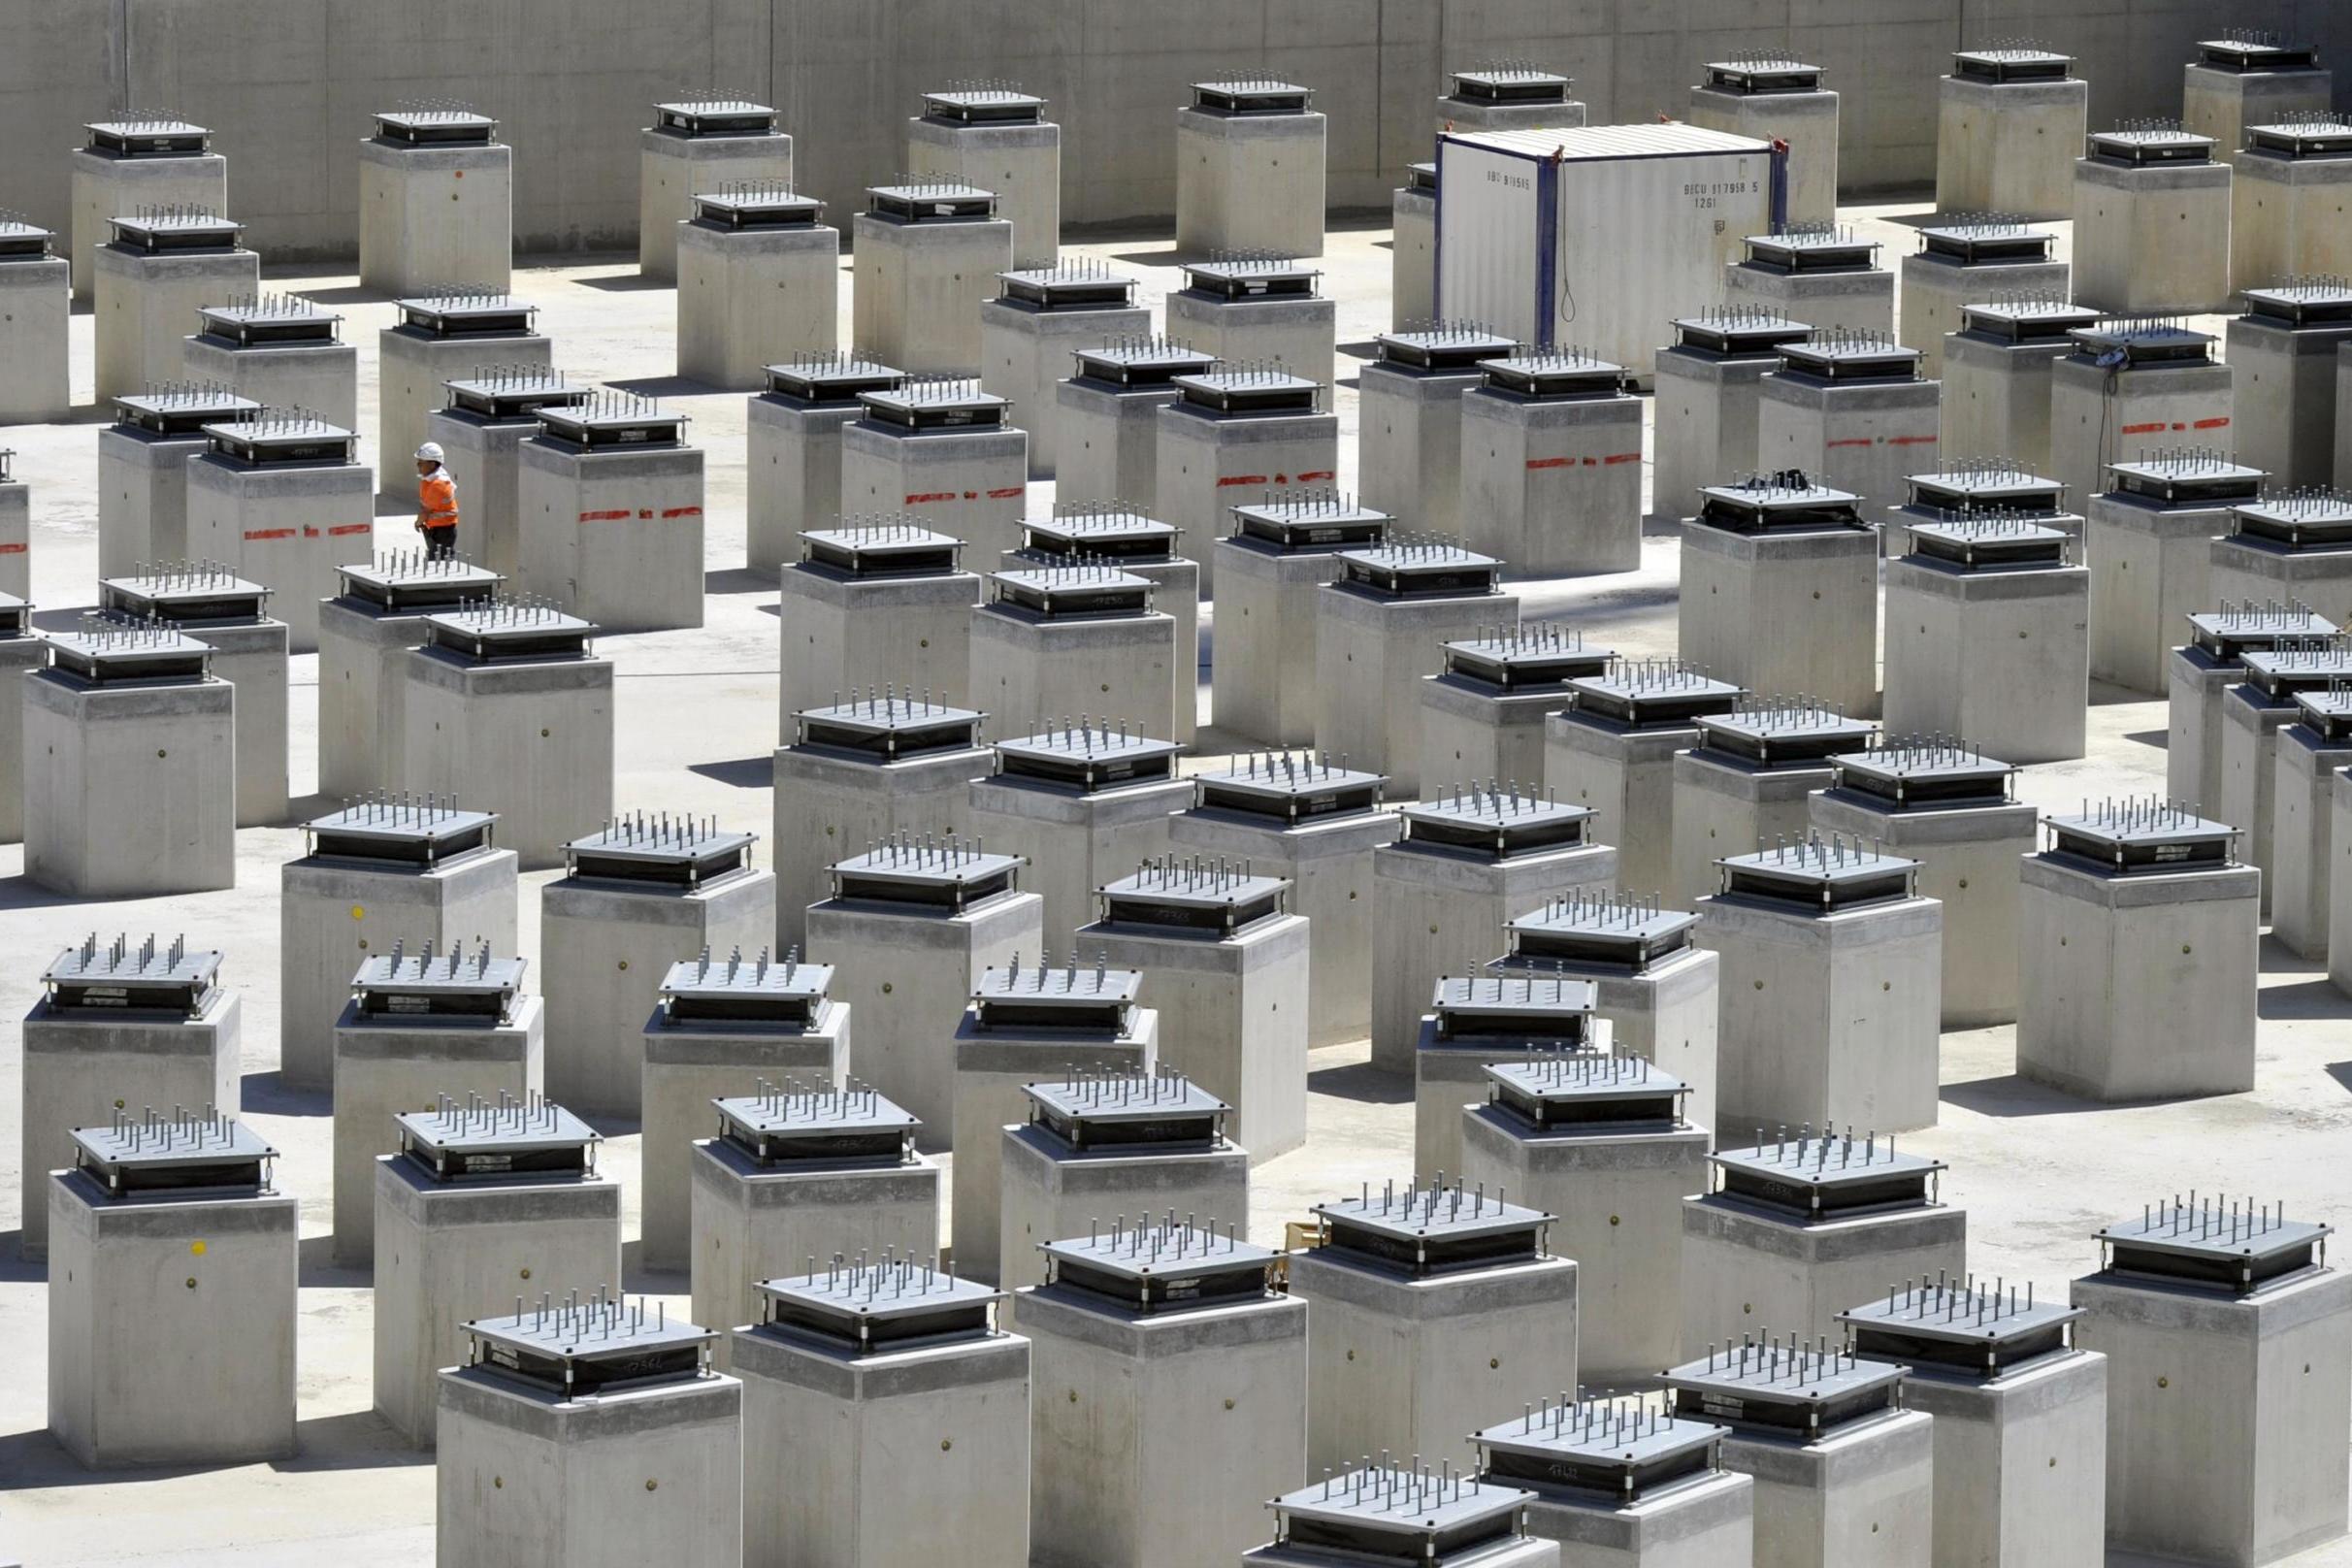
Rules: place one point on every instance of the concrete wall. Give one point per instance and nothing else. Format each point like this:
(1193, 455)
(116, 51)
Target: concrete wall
(289, 85)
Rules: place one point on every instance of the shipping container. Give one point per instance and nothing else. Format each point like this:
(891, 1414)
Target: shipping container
(1598, 236)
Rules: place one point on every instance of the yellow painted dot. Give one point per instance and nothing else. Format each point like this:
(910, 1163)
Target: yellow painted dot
(196, 1247)
(358, 913)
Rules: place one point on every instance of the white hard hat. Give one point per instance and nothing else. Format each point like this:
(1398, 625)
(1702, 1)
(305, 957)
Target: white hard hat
(430, 453)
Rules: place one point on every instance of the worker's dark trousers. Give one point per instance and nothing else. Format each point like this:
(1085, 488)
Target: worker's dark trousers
(440, 543)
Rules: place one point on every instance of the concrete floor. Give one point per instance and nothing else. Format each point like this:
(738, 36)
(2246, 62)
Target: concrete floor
(2037, 1172)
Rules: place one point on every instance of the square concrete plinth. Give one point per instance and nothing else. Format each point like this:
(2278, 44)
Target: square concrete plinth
(336, 913)
(1327, 860)
(1861, 1496)
(385, 1065)
(1726, 805)
(1706, 422)
(2221, 103)
(1553, 486)
(1409, 444)
(1707, 1521)
(1805, 122)
(1792, 610)
(688, 1064)
(1936, 286)
(321, 377)
(2339, 889)
(143, 497)
(148, 1368)
(1248, 182)
(1031, 671)
(2137, 987)
(1625, 776)
(2151, 566)
(792, 473)
(2009, 147)
(2100, 417)
(1415, 1365)
(1747, 1270)
(970, 484)
(1859, 298)
(19, 655)
(1263, 679)
(753, 1221)
(831, 804)
(1075, 842)
(2192, 750)
(1828, 1018)
(752, 298)
(362, 715)
(412, 367)
(1471, 729)
(916, 299)
(2020, 1462)
(1372, 656)
(2286, 215)
(1215, 1394)
(484, 456)
(840, 633)
(142, 304)
(675, 167)
(2249, 568)
(909, 970)
(615, 536)
(2000, 657)
(526, 1479)
(955, 1414)
(104, 186)
(1664, 1013)
(1432, 903)
(252, 658)
(2285, 398)
(1866, 437)
(604, 947)
(1024, 349)
(1997, 397)
(1022, 163)
(1412, 256)
(532, 738)
(35, 297)
(1615, 1199)
(1232, 1017)
(285, 526)
(2250, 722)
(2257, 1480)
(80, 1067)
(435, 214)
(129, 791)
(447, 1252)
(1049, 1191)
(991, 1064)
(1210, 463)
(2151, 239)
(1298, 332)
(1967, 856)
(1107, 442)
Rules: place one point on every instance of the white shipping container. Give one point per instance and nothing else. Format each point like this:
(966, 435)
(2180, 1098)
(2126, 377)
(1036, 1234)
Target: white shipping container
(1597, 235)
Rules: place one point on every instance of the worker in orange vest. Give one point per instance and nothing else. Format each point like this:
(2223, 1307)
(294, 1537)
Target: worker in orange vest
(436, 503)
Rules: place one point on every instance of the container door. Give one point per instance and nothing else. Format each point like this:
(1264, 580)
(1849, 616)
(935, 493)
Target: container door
(1490, 239)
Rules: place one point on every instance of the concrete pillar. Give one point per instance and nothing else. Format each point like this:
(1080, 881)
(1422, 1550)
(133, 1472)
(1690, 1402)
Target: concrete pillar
(609, 498)
(910, 931)
(2286, 202)
(2151, 237)
(1954, 813)
(1315, 826)
(2208, 665)
(1239, 436)
(435, 201)
(1474, 1022)
(1550, 459)
(1779, 101)
(2009, 124)
(1413, 247)
(1858, 429)
(1055, 642)
(1988, 636)
(2152, 992)
(885, 600)
(2282, 366)
(511, 708)
(37, 289)
(2149, 540)
(759, 282)
(283, 503)
(1803, 932)
(928, 253)
(942, 455)
(1226, 965)
(794, 450)
(451, 1246)
(1142, 546)
(1746, 781)
(697, 146)
(1081, 807)
(725, 1024)
(151, 279)
(132, 165)
(124, 1247)
(2166, 393)
(1463, 867)
(2288, 552)
(1779, 591)
(1964, 262)
(2233, 86)
(1508, 98)
(1275, 557)
(1707, 390)
(2339, 891)
(366, 633)
(1027, 333)
(143, 475)
(1360, 1506)
(1482, 716)
(375, 878)
(999, 140)
(88, 1058)
(1108, 447)
(2308, 754)
(1379, 629)
(1024, 1026)
(2252, 713)
(442, 338)
(281, 352)
(1858, 1489)
(1612, 752)
(1264, 309)
(1823, 277)
(21, 651)
(481, 434)
(1409, 421)
(1998, 376)
(130, 767)
(1250, 170)
(1702, 1517)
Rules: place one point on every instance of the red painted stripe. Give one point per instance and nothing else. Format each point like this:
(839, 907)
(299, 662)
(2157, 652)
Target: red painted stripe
(1852, 441)
(930, 495)
(1312, 474)
(1621, 457)
(1240, 479)
(1008, 492)
(2212, 424)
(604, 516)
(339, 530)
(1552, 462)
(2143, 430)
(683, 512)
(14, 549)
(269, 533)
(1910, 440)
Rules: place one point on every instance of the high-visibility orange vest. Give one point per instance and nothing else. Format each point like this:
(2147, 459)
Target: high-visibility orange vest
(436, 499)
